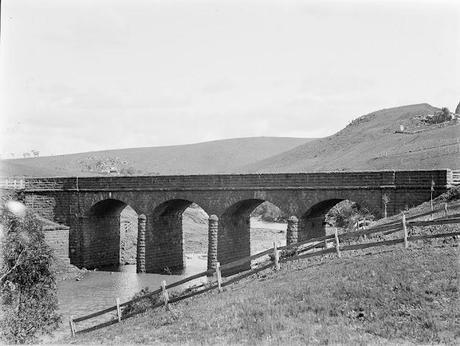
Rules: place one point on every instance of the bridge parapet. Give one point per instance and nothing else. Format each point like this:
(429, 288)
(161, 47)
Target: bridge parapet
(454, 177)
(361, 179)
(13, 183)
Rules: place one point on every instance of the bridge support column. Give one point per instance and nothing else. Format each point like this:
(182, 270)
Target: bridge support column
(164, 241)
(312, 227)
(234, 241)
(212, 241)
(292, 230)
(140, 260)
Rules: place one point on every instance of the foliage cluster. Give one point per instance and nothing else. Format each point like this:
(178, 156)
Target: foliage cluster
(28, 292)
(106, 165)
(439, 117)
(143, 304)
(269, 212)
(348, 214)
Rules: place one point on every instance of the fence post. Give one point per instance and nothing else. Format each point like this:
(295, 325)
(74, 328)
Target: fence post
(446, 212)
(72, 326)
(219, 277)
(164, 293)
(275, 252)
(406, 244)
(337, 243)
(118, 310)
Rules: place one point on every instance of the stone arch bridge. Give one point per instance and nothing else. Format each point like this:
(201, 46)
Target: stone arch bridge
(91, 207)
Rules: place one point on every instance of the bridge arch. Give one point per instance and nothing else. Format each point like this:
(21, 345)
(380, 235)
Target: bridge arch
(109, 234)
(234, 234)
(166, 235)
(313, 223)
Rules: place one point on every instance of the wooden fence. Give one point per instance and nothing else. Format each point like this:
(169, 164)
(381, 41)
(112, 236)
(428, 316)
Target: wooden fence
(277, 256)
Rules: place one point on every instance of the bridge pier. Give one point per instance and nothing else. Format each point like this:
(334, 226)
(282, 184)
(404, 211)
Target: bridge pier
(140, 260)
(312, 227)
(292, 230)
(234, 242)
(212, 241)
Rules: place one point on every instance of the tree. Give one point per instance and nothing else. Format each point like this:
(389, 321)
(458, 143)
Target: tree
(28, 292)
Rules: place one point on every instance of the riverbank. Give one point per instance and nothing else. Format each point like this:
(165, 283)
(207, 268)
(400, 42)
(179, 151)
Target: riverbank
(385, 295)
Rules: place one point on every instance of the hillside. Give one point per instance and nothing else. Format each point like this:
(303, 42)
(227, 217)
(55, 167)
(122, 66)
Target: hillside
(220, 156)
(9, 168)
(372, 142)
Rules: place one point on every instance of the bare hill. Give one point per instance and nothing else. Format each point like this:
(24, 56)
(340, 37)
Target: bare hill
(374, 141)
(222, 156)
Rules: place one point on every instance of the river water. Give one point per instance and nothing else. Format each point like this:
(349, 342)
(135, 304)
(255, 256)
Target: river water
(98, 290)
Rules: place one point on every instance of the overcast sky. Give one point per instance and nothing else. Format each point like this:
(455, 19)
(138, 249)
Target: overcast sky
(91, 75)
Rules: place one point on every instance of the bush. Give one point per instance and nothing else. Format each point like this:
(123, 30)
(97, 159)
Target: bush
(143, 304)
(347, 214)
(439, 117)
(269, 212)
(28, 291)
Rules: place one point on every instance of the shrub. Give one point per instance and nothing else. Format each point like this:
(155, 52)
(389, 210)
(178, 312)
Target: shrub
(347, 214)
(143, 304)
(28, 291)
(269, 212)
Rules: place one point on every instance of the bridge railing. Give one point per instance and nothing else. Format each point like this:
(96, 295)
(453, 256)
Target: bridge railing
(12, 183)
(276, 256)
(455, 177)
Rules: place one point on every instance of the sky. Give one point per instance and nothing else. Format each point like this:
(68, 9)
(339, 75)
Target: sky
(85, 75)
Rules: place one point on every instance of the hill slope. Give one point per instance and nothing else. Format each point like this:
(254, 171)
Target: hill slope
(221, 156)
(370, 142)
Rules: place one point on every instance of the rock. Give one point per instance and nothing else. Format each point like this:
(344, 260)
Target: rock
(457, 110)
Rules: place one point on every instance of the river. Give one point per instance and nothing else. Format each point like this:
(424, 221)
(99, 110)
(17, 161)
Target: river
(98, 290)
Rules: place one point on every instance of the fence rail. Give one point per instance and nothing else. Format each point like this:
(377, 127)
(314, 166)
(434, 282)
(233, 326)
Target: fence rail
(301, 251)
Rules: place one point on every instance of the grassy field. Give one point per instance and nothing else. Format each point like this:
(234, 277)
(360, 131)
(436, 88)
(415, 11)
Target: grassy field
(384, 295)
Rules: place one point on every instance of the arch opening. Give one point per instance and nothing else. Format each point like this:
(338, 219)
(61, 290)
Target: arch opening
(248, 227)
(325, 217)
(109, 235)
(178, 239)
